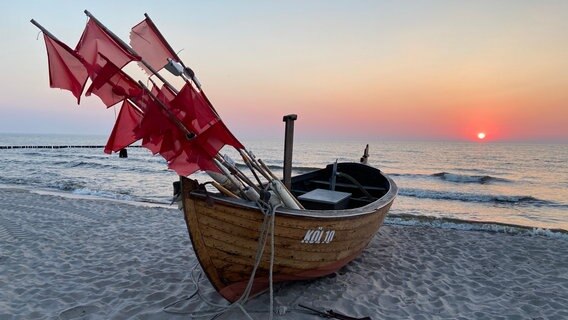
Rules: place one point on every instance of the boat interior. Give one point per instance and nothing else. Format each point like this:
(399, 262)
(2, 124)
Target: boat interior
(340, 186)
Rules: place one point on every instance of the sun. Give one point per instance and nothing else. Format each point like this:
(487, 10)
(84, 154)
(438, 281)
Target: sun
(481, 135)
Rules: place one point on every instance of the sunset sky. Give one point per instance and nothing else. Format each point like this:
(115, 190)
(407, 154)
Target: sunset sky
(387, 70)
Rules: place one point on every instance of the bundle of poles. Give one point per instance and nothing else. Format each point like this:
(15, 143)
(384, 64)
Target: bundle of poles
(228, 179)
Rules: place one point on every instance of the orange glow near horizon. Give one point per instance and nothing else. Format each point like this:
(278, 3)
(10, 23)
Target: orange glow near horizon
(442, 71)
(481, 135)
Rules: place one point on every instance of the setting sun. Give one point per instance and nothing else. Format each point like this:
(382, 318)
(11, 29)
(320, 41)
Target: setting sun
(481, 135)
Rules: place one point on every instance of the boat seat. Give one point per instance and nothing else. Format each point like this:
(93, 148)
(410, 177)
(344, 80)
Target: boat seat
(323, 199)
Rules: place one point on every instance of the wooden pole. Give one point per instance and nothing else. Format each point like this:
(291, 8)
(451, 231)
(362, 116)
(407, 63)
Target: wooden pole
(35, 23)
(190, 72)
(288, 147)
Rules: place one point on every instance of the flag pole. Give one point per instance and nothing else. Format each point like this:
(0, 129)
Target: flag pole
(167, 44)
(44, 30)
(130, 50)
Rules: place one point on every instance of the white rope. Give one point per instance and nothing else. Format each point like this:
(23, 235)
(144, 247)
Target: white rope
(271, 265)
(266, 227)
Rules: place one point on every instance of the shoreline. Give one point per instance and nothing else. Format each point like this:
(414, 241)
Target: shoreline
(98, 259)
(392, 219)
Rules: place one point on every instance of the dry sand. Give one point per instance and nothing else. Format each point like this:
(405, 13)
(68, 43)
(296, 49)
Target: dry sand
(94, 259)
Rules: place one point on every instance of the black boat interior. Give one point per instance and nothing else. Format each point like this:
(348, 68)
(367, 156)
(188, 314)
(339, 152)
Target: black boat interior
(340, 186)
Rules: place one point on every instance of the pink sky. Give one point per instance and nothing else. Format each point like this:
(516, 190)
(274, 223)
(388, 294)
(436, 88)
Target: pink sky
(441, 70)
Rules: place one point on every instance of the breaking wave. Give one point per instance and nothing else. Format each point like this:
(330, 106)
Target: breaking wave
(457, 224)
(468, 178)
(454, 177)
(475, 197)
(102, 194)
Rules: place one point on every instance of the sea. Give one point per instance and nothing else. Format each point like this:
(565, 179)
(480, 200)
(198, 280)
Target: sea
(496, 187)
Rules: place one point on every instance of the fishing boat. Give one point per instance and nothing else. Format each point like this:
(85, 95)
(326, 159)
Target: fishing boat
(334, 229)
(248, 229)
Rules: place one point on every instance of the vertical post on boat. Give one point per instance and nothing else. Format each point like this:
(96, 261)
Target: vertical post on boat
(288, 147)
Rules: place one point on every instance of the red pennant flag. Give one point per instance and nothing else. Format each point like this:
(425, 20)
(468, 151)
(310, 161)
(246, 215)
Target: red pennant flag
(192, 109)
(148, 42)
(197, 113)
(95, 40)
(112, 85)
(184, 156)
(191, 159)
(66, 69)
(154, 127)
(182, 165)
(166, 94)
(123, 134)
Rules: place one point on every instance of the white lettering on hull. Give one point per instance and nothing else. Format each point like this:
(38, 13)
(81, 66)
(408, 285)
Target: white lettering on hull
(318, 236)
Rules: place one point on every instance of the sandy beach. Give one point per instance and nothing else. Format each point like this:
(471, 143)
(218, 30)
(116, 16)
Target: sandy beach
(72, 258)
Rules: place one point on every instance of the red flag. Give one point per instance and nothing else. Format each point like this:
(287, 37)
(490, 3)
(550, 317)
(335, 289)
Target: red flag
(190, 160)
(198, 115)
(112, 85)
(95, 40)
(123, 134)
(66, 69)
(182, 165)
(184, 156)
(148, 42)
(192, 109)
(154, 127)
(166, 94)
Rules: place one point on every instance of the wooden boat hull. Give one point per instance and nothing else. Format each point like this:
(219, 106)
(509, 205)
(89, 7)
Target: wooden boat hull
(308, 243)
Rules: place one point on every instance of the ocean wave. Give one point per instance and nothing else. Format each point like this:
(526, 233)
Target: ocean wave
(62, 185)
(87, 164)
(65, 185)
(101, 194)
(106, 166)
(467, 225)
(454, 177)
(476, 197)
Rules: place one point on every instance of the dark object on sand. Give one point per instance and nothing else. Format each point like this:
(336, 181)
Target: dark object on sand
(332, 314)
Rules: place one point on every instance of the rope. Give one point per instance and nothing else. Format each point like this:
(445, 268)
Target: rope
(219, 309)
(271, 265)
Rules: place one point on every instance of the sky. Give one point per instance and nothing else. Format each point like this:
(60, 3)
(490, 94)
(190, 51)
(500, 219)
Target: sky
(384, 70)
